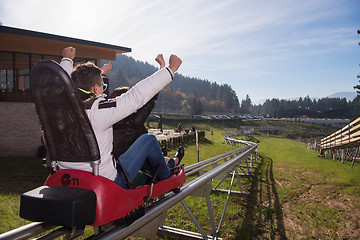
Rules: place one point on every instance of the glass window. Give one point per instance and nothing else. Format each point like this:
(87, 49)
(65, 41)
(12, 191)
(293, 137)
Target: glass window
(21, 85)
(22, 65)
(3, 80)
(15, 71)
(6, 62)
(6, 76)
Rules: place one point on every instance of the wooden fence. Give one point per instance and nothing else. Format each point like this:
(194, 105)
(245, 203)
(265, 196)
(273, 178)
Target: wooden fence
(170, 138)
(343, 144)
(348, 136)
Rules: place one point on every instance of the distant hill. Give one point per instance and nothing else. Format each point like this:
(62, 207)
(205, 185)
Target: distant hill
(187, 95)
(348, 95)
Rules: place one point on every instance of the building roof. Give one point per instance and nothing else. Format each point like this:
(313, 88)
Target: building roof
(26, 41)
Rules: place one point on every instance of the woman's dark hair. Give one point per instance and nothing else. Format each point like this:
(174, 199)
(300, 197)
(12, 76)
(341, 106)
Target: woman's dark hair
(118, 91)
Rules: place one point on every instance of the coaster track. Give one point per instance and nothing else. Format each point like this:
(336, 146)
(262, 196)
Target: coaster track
(223, 166)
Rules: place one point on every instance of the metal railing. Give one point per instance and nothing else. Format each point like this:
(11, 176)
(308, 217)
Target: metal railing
(343, 144)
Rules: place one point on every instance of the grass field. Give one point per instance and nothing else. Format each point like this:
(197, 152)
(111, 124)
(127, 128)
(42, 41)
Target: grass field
(308, 197)
(17, 175)
(294, 194)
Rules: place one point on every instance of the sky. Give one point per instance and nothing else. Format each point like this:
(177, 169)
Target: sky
(265, 48)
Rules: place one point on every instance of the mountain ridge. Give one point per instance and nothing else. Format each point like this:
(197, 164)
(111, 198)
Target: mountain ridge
(348, 95)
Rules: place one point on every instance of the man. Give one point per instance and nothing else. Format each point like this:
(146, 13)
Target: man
(104, 113)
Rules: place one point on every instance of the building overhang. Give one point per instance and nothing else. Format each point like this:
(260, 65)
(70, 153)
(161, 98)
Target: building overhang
(26, 41)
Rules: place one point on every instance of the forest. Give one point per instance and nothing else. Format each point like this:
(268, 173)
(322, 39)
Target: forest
(321, 108)
(185, 95)
(194, 96)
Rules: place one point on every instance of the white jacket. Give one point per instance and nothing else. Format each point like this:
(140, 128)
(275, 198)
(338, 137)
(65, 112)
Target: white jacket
(104, 113)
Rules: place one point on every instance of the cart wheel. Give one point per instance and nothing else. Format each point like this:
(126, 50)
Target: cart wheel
(176, 190)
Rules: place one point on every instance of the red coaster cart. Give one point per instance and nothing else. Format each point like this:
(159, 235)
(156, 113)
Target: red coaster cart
(75, 198)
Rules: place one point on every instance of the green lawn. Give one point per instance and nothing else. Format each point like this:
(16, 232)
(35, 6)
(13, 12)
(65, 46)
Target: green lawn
(318, 198)
(294, 194)
(17, 175)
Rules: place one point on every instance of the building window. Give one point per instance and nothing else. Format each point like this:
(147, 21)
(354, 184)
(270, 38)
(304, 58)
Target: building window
(15, 69)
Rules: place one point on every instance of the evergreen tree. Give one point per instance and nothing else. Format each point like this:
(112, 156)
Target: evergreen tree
(246, 106)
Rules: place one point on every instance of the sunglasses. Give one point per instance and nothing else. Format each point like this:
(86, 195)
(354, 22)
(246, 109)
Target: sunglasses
(103, 84)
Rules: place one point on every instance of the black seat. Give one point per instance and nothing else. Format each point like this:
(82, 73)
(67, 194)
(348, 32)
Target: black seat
(58, 205)
(67, 131)
(68, 137)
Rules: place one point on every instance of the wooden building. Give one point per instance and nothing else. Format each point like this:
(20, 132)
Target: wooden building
(20, 50)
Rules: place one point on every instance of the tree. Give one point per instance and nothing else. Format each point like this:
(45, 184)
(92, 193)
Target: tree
(195, 106)
(246, 104)
(307, 103)
(230, 99)
(185, 107)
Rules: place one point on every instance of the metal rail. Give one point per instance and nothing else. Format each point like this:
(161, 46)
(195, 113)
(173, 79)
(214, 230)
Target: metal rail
(26, 231)
(199, 184)
(147, 226)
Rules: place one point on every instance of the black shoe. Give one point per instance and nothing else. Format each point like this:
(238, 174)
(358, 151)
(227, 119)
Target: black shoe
(180, 154)
(170, 163)
(164, 151)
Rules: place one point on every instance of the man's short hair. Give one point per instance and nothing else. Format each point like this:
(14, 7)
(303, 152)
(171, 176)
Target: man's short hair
(118, 91)
(86, 75)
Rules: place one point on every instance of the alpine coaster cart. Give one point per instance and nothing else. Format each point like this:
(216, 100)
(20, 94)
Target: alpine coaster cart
(75, 198)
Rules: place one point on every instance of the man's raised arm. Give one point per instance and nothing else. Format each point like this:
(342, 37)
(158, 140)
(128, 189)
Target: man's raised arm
(67, 62)
(174, 63)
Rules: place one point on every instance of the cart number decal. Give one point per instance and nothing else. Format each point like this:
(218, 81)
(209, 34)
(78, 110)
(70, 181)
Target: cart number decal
(75, 181)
